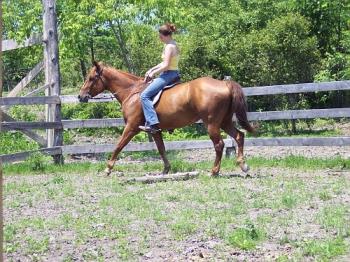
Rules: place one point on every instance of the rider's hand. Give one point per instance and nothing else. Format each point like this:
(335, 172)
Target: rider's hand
(146, 79)
(148, 76)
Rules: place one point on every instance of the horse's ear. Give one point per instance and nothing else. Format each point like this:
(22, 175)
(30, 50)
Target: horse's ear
(97, 65)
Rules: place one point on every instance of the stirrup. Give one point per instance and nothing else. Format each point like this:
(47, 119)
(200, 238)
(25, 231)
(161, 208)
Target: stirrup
(150, 129)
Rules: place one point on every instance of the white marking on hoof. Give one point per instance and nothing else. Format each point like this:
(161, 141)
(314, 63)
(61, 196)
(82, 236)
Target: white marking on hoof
(107, 171)
(245, 168)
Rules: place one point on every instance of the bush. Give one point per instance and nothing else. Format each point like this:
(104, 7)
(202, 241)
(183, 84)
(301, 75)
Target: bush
(38, 161)
(22, 113)
(12, 142)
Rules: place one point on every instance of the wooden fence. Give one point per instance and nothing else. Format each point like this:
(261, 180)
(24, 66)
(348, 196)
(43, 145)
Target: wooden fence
(175, 145)
(54, 125)
(52, 87)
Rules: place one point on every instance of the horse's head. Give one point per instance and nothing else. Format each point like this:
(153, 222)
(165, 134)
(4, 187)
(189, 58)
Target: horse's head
(94, 83)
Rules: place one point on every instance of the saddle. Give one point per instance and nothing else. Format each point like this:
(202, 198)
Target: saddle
(156, 98)
(139, 87)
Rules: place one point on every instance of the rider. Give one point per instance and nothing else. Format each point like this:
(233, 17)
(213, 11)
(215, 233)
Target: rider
(169, 73)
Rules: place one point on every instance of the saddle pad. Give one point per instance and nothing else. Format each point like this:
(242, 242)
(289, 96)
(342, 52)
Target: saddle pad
(157, 96)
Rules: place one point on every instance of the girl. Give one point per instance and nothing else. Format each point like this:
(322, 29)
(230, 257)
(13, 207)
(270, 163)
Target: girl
(169, 72)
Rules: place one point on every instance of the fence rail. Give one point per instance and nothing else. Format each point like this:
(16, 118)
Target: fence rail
(248, 91)
(177, 145)
(180, 145)
(10, 44)
(297, 88)
(29, 100)
(119, 122)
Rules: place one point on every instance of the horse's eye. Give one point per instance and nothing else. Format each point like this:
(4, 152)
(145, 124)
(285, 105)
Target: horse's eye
(91, 78)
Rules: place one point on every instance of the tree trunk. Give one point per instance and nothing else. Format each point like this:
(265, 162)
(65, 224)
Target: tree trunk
(83, 68)
(294, 126)
(121, 42)
(92, 49)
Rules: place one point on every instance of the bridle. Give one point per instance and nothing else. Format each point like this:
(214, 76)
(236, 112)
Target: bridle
(98, 76)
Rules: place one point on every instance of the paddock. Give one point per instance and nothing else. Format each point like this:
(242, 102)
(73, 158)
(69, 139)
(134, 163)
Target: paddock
(292, 205)
(278, 212)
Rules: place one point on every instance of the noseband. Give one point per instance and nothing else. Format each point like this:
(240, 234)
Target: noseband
(98, 76)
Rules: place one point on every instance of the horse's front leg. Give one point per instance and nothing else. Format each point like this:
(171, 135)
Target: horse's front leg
(127, 135)
(158, 138)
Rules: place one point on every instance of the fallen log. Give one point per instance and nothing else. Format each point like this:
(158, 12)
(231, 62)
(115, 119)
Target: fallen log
(162, 178)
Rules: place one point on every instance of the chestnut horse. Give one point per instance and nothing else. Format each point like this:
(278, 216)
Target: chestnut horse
(212, 101)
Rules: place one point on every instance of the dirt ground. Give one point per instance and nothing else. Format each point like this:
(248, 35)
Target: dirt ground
(83, 217)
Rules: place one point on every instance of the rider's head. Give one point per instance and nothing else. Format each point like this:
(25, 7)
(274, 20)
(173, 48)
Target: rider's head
(166, 31)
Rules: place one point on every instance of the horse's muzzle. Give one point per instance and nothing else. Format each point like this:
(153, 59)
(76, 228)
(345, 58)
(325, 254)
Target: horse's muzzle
(84, 99)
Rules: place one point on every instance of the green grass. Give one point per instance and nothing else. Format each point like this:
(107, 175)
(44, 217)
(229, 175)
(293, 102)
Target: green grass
(25, 168)
(336, 217)
(324, 250)
(100, 215)
(178, 165)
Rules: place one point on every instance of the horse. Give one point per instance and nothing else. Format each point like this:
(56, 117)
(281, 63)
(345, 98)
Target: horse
(207, 99)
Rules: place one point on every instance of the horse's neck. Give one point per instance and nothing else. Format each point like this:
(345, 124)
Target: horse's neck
(121, 84)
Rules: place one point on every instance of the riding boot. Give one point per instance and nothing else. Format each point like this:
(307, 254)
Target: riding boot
(151, 129)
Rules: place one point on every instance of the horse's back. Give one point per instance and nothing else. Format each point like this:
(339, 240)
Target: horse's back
(188, 102)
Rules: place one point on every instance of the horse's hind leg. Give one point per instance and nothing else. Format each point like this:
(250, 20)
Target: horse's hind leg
(127, 135)
(232, 131)
(214, 134)
(158, 138)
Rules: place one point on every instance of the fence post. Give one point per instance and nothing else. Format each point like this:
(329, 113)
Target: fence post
(230, 150)
(1, 177)
(52, 73)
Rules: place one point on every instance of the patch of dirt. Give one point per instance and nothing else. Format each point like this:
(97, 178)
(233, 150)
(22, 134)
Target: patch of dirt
(156, 242)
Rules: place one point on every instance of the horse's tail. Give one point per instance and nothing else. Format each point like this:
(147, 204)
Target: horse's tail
(239, 106)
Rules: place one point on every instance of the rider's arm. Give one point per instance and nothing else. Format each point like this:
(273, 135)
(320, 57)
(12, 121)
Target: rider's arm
(166, 60)
(155, 67)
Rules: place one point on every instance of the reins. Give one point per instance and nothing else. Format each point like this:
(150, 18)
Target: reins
(98, 76)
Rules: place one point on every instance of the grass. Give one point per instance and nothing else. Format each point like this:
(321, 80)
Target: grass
(178, 165)
(336, 217)
(247, 237)
(92, 217)
(324, 250)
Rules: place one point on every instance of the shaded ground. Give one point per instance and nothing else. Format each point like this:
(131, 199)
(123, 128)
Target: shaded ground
(278, 214)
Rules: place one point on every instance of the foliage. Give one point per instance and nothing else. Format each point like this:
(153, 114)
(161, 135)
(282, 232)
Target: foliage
(22, 113)
(91, 110)
(12, 142)
(257, 42)
(38, 161)
(253, 36)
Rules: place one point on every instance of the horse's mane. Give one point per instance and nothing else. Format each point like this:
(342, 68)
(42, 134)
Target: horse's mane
(139, 86)
(122, 72)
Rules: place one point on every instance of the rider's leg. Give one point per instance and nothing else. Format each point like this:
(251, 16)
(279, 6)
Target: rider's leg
(152, 90)
(146, 100)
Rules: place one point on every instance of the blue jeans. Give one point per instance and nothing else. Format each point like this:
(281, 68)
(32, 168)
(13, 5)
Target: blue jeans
(165, 78)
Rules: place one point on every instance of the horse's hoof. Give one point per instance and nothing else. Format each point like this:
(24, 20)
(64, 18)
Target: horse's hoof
(214, 174)
(108, 171)
(166, 171)
(244, 167)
